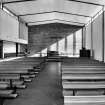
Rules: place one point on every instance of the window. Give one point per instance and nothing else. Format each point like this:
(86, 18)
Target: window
(70, 45)
(61, 46)
(44, 52)
(53, 47)
(78, 42)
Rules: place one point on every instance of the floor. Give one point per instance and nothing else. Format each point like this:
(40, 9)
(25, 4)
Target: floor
(46, 88)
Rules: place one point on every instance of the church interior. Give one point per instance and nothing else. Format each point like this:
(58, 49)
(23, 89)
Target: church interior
(52, 52)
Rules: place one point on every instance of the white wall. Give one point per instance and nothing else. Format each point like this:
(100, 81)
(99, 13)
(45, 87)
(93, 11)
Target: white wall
(97, 38)
(94, 38)
(23, 31)
(88, 37)
(9, 28)
(104, 37)
(9, 47)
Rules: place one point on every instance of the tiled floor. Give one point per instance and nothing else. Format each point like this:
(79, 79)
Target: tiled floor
(46, 89)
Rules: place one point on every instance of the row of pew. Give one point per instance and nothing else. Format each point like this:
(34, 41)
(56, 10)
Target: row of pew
(83, 81)
(15, 74)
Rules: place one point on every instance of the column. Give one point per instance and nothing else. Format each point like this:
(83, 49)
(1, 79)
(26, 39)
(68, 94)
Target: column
(74, 43)
(1, 49)
(16, 49)
(92, 54)
(66, 44)
(83, 37)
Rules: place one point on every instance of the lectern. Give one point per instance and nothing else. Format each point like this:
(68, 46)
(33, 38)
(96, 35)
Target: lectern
(85, 53)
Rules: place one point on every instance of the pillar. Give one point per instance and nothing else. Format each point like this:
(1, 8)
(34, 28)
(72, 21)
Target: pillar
(16, 49)
(74, 43)
(1, 49)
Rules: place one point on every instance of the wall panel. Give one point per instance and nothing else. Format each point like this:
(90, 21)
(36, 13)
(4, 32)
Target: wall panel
(88, 37)
(97, 38)
(104, 37)
(23, 31)
(8, 27)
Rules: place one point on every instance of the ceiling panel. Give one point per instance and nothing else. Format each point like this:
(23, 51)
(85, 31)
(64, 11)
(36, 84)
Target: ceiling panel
(10, 0)
(69, 22)
(55, 21)
(39, 17)
(42, 22)
(73, 18)
(78, 8)
(75, 11)
(30, 7)
(102, 2)
(55, 15)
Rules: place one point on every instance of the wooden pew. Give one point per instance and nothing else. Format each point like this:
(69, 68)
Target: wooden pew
(18, 84)
(84, 100)
(11, 74)
(83, 71)
(88, 86)
(82, 86)
(83, 77)
(4, 86)
(83, 82)
(8, 94)
(10, 77)
(14, 76)
(83, 67)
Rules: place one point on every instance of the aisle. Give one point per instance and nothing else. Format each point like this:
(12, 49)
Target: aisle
(46, 89)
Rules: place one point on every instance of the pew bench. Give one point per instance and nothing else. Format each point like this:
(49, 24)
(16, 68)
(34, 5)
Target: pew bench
(76, 86)
(83, 76)
(83, 68)
(10, 77)
(13, 71)
(12, 84)
(15, 77)
(8, 94)
(84, 100)
(76, 71)
(23, 72)
(83, 86)
(20, 68)
(4, 86)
